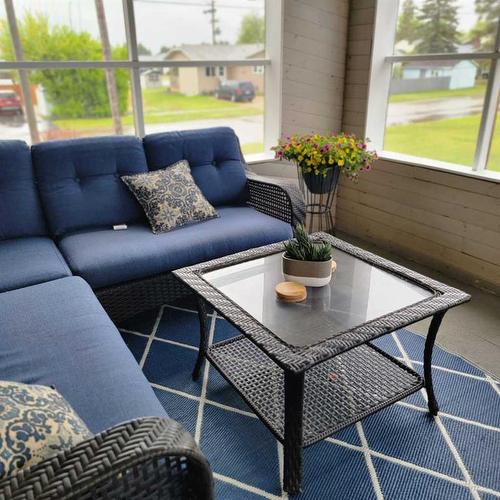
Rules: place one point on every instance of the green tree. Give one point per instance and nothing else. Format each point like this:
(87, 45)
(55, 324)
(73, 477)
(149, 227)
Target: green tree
(438, 27)
(142, 50)
(485, 30)
(71, 93)
(407, 22)
(252, 29)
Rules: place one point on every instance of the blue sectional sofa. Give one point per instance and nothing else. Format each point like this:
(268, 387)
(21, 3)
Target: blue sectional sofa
(61, 262)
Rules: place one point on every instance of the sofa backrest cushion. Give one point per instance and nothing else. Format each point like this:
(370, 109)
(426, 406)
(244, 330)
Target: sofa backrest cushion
(20, 209)
(214, 156)
(80, 185)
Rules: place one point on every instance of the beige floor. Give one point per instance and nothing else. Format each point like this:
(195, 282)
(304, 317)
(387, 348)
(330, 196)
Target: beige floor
(471, 330)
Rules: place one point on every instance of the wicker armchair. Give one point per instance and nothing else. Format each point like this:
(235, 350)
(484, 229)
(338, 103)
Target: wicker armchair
(148, 458)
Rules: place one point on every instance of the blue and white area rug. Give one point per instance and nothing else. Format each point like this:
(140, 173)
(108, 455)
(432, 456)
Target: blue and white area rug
(399, 453)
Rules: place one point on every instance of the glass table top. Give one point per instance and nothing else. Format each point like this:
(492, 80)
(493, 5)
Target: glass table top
(358, 292)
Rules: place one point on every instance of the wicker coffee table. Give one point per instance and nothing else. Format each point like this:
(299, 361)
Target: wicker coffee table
(308, 369)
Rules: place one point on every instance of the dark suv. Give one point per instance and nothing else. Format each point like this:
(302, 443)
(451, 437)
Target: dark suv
(235, 90)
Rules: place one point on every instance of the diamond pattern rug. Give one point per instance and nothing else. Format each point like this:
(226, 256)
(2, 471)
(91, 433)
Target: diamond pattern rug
(398, 453)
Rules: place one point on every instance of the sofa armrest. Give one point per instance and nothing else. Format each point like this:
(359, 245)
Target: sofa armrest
(278, 198)
(144, 458)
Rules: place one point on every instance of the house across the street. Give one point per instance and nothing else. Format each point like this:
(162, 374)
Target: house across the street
(206, 79)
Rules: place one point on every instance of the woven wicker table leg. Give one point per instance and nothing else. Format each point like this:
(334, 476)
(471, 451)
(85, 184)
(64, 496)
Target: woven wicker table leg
(294, 401)
(202, 315)
(429, 344)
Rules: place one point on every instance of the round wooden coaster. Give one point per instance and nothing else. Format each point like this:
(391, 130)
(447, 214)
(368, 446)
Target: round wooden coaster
(289, 291)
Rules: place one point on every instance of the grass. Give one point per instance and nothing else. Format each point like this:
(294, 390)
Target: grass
(477, 90)
(252, 147)
(161, 106)
(452, 140)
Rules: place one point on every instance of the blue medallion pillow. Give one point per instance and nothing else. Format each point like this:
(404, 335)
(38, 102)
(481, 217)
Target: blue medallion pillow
(170, 197)
(36, 423)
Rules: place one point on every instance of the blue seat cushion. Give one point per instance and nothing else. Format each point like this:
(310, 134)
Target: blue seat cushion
(108, 257)
(58, 334)
(28, 261)
(213, 155)
(80, 183)
(20, 209)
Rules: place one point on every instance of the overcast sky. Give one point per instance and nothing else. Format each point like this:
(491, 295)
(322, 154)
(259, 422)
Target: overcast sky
(169, 22)
(159, 22)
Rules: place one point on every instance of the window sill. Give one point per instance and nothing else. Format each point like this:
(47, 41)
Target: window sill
(451, 168)
(264, 157)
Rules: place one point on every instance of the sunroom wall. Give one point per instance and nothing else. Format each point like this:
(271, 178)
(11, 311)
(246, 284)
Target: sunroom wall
(447, 221)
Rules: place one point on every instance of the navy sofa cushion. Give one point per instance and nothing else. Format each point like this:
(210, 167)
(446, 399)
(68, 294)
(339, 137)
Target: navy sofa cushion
(58, 334)
(80, 183)
(213, 155)
(108, 257)
(28, 261)
(20, 210)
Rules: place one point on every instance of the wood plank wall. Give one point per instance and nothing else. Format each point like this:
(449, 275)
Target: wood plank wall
(314, 45)
(444, 220)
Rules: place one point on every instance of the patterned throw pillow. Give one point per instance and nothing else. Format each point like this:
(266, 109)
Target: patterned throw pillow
(170, 197)
(36, 422)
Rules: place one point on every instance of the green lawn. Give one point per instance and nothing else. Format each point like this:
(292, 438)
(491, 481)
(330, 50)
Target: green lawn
(161, 106)
(452, 140)
(477, 90)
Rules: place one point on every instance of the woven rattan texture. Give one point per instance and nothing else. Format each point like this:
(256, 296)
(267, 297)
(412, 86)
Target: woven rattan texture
(337, 393)
(270, 199)
(124, 301)
(148, 458)
(299, 359)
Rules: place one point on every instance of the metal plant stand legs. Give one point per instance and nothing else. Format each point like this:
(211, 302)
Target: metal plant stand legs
(202, 350)
(429, 344)
(294, 402)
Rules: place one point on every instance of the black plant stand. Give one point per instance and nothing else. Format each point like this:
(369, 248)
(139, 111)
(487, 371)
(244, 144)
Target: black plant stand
(319, 193)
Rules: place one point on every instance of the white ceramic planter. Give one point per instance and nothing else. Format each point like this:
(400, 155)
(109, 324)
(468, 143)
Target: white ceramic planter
(308, 273)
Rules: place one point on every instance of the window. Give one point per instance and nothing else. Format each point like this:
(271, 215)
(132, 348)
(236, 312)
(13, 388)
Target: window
(91, 68)
(435, 81)
(258, 70)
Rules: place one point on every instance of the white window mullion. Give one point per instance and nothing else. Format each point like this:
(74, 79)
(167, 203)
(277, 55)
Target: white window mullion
(381, 71)
(131, 34)
(273, 72)
(490, 107)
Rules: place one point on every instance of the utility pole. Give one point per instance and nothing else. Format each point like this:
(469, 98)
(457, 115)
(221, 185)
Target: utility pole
(213, 21)
(23, 74)
(110, 74)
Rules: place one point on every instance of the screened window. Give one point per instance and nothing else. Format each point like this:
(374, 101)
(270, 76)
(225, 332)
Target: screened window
(435, 81)
(138, 66)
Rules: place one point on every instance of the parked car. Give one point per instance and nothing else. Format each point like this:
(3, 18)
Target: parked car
(10, 102)
(235, 90)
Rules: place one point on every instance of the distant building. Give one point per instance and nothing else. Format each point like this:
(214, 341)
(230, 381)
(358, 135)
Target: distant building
(206, 79)
(458, 74)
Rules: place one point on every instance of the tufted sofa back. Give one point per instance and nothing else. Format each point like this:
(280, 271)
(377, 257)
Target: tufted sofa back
(80, 185)
(20, 211)
(214, 156)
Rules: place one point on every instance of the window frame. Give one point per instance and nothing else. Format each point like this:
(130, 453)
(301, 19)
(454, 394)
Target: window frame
(382, 59)
(271, 61)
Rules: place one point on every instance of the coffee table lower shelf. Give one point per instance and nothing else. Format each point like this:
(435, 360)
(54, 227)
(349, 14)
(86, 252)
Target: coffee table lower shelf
(337, 393)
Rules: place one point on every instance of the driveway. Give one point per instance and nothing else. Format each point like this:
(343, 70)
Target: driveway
(401, 113)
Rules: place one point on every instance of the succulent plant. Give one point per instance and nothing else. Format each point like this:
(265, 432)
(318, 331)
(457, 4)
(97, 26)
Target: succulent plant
(303, 247)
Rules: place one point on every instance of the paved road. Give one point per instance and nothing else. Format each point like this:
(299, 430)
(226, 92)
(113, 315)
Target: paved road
(249, 129)
(437, 109)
